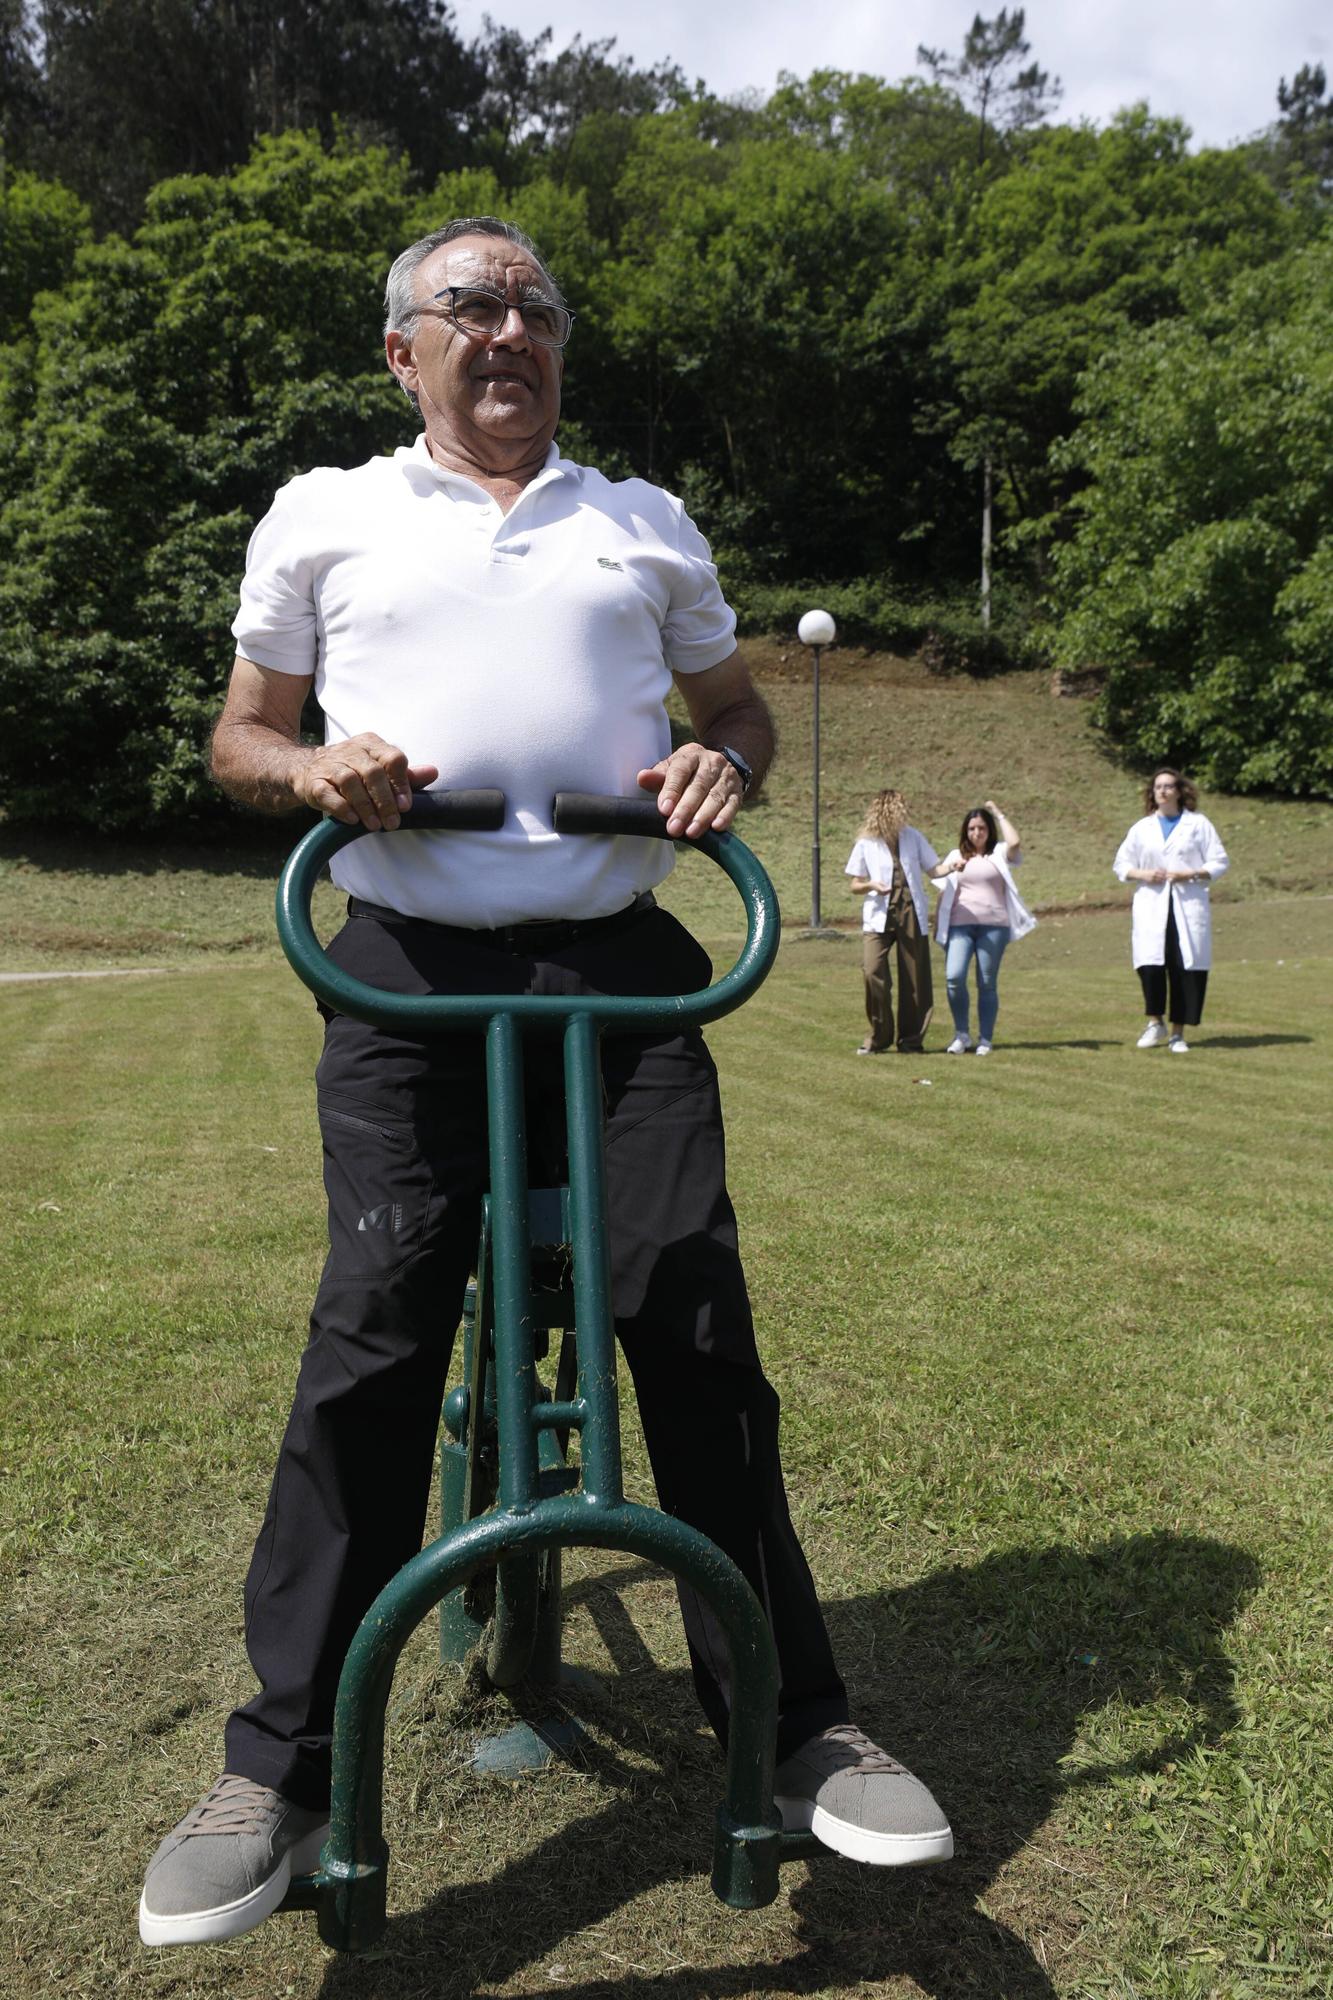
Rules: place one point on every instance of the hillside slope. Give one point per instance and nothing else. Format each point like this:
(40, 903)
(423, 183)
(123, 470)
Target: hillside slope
(948, 743)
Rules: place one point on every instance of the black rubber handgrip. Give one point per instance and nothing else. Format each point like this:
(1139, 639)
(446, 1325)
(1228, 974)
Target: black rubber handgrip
(587, 812)
(469, 812)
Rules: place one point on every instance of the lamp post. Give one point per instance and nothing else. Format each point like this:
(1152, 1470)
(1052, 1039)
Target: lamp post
(816, 630)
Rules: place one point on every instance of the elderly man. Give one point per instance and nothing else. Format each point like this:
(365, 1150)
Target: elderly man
(480, 610)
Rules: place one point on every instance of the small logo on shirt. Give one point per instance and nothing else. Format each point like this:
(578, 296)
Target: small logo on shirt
(605, 562)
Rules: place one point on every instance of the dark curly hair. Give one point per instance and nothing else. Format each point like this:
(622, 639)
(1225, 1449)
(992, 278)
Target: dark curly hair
(1189, 798)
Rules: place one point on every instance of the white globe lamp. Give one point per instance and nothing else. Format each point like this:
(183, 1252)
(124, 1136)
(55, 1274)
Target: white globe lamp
(816, 629)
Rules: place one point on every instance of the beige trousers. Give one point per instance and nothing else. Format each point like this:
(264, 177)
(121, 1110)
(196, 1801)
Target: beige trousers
(902, 934)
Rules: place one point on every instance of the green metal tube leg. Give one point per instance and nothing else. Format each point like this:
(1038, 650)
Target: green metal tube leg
(356, 1856)
(515, 1369)
(599, 1438)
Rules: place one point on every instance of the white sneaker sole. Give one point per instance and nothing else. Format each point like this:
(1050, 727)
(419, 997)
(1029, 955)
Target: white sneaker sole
(229, 1920)
(881, 1850)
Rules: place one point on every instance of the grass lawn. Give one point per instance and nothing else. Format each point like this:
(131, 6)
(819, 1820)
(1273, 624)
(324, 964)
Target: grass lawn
(1051, 1336)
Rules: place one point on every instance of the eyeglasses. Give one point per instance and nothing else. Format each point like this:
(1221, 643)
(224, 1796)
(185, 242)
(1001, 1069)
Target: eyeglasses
(481, 314)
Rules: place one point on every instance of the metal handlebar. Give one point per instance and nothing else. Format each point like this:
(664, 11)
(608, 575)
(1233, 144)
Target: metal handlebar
(572, 812)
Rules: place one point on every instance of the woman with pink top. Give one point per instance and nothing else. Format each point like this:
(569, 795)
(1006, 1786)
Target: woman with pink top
(979, 912)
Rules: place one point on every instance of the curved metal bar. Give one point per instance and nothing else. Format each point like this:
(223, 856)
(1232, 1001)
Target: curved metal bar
(355, 1858)
(445, 1011)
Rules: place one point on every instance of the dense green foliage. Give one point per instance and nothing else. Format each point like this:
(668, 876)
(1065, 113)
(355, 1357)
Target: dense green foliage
(818, 319)
(1201, 572)
(177, 380)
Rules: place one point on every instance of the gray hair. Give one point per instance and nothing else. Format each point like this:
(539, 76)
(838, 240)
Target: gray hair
(402, 308)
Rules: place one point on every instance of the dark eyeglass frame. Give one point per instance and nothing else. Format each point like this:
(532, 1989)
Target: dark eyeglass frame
(503, 309)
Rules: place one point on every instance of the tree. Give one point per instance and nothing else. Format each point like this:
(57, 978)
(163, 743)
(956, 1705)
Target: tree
(1096, 232)
(178, 380)
(1004, 96)
(42, 225)
(1305, 130)
(755, 299)
(1200, 572)
(21, 105)
(134, 91)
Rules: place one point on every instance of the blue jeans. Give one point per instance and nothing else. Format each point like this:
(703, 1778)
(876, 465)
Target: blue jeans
(986, 942)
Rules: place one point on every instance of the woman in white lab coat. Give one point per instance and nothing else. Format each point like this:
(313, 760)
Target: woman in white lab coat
(1172, 855)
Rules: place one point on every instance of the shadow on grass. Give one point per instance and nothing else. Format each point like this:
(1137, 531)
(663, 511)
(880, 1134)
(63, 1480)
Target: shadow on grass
(977, 1677)
(248, 844)
(1252, 1041)
(1204, 1042)
(1077, 1042)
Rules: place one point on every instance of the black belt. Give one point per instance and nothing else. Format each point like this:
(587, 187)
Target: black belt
(528, 939)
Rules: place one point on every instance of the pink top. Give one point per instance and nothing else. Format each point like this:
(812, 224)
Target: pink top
(980, 897)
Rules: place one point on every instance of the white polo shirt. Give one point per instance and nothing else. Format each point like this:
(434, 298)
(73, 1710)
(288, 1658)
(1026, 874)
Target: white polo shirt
(531, 650)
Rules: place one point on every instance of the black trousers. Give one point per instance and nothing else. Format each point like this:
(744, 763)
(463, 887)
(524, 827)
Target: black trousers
(1187, 988)
(404, 1130)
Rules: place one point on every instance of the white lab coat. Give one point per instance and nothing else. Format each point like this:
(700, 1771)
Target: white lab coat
(1021, 919)
(874, 859)
(1193, 843)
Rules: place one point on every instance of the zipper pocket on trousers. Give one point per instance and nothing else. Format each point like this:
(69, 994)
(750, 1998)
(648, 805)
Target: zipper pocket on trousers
(366, 1124)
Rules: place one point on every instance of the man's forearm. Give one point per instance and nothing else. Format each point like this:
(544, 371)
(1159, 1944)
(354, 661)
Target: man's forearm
(258, 766)
(745, 726)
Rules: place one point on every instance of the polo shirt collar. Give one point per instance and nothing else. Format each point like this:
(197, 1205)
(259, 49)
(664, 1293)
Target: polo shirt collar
(416, 458)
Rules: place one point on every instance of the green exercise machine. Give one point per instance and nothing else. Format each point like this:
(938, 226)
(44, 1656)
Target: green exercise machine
(511, 1501)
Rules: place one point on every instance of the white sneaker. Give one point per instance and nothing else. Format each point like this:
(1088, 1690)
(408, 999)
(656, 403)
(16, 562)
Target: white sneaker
(227, 1865)
(1153, 1036)
(982, 1049)
(959, 1046)
(860, 1801)
(1177, 1046)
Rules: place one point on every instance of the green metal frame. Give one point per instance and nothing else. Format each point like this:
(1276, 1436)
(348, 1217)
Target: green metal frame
(529, 1518)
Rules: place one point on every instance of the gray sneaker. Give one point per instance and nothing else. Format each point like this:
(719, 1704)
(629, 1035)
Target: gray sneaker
(860, 1801)
(227, 1865)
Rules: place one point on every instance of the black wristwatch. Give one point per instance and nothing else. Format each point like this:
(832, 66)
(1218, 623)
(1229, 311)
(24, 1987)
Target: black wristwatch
(738, 765)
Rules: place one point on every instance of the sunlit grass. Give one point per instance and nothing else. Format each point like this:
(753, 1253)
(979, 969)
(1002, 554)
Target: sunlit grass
(1051, 1338)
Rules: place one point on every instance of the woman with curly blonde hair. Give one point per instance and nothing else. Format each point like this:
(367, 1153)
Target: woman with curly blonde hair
(887, 866)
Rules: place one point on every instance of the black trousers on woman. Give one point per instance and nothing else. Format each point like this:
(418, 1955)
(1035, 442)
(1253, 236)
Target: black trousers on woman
(405, 1161)
(1187, 989)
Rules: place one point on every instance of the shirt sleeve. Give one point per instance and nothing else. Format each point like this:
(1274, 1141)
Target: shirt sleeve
(1215, 857)
(857, 863)
(1127, 855)
(276, 625)
(929, 858)
(699, 630)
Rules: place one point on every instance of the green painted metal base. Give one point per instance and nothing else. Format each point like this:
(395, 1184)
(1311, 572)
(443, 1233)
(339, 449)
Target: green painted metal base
(528, 1747)
(538, 1741)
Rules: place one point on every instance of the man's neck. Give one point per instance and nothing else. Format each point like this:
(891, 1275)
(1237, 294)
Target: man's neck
(501, 472)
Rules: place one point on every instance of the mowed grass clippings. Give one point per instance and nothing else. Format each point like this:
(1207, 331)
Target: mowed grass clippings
(1050, 1336)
